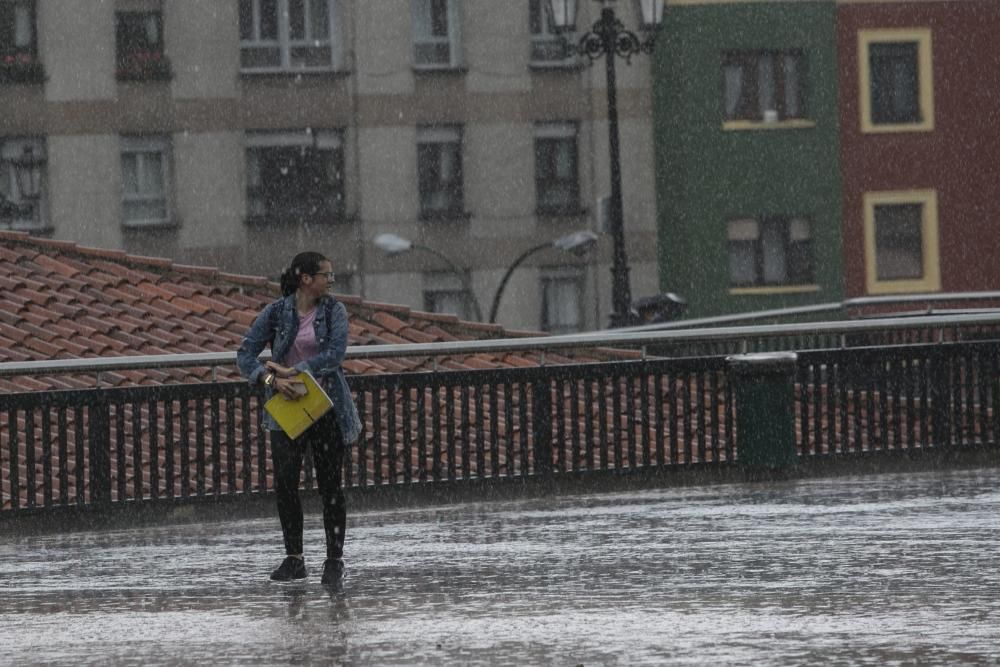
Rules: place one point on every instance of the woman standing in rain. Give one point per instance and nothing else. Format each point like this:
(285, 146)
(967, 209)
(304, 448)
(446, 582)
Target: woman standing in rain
(307, 331)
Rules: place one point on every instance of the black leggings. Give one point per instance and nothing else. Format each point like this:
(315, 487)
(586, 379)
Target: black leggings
(327, 446)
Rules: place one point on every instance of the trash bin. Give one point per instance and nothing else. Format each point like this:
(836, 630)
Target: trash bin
(764, 392)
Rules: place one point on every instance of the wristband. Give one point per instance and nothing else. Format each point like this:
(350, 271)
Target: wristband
(269, 379)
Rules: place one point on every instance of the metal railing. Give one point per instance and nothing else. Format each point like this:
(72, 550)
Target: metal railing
(687, 342)
(110, 447)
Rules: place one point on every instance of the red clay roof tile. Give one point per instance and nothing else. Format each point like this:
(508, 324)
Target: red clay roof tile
(56, 266)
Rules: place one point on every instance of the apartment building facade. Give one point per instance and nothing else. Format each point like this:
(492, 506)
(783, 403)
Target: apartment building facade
(815, 151)
(235, 133)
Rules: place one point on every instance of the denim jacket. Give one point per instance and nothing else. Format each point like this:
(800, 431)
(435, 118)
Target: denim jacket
(278, 324)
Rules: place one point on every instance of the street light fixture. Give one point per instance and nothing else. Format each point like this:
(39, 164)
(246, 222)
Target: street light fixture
(609, 38)
(577, 243)
(392, 245)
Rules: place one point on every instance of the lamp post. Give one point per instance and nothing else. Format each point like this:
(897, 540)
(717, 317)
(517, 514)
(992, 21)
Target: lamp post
(577, 243)
(609, 38)
(393, 245)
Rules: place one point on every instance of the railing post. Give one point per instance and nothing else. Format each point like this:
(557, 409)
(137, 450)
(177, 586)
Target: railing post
(940, 397)
(99, 419)
(764, 390)
(541, 426)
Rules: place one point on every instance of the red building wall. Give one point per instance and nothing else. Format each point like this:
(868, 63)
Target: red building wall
(960, 158)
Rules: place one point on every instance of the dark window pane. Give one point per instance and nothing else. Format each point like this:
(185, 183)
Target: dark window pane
(297, 19)
(268, 19)
(763, 85)
(17, 28)
(246, 19)
(895, 83)
(297, 184)
(556, 183)
(439, 18)
(320, 18)
(899, 241)
(780, 253)
(535, 16)
(440, 178)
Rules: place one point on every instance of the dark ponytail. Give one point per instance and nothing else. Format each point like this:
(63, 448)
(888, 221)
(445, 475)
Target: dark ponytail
(305, 263)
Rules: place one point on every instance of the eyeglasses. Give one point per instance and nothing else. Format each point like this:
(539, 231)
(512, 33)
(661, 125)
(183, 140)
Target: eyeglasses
(329, 275)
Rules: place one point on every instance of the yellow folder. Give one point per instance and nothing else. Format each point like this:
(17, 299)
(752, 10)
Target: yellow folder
(295, 416)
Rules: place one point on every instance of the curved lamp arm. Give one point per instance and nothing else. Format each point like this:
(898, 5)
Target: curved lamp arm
(462, 274)
(503, 281)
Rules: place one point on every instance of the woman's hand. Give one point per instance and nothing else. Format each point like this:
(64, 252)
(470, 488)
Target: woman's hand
(281, 371)
(290, 388)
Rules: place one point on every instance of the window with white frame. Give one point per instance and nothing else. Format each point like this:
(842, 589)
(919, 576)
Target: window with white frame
(280, 35)
(562, 299)
(546, 47)
(22, 184)
(446, 293)
(435, 34)
(764, 86)
(145, 181)
(295, 176)
(439, 171)
(557, 184)
(771, 251)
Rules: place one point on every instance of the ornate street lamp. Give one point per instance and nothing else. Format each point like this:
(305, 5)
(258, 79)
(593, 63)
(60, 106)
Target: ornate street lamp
(576, 243)
(609, 38)
(393, 245)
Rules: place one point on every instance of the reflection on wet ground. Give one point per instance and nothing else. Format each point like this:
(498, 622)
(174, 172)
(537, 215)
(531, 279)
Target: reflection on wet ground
(893, 569)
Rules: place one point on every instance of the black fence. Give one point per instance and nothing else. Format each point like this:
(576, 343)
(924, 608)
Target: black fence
(176, 443)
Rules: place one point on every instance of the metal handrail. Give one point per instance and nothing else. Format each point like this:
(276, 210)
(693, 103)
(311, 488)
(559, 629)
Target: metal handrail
(828, 307)
(616, 338)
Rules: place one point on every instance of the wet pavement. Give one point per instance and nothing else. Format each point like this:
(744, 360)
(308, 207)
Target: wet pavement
(880, 570)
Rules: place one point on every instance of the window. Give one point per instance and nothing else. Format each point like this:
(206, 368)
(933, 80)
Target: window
(896, 80)
(445, 293)
(435, 34)
(763, 86)
(282, 35)
(771, 251)
(546, 47)
(562, 299)
(22, 184)
(19, 43)
(295, 176)
(901, 242)
(439, 169)
(140, 46)
(557, 188)
(145, 181)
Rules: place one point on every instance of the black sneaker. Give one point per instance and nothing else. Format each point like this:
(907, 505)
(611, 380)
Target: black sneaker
(290, 568)
(333, 570)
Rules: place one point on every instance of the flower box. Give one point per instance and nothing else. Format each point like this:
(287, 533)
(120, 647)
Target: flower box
(21, 68)
(144, 66)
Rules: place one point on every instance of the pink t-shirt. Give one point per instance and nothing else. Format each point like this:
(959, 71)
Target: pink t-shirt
(304, 346)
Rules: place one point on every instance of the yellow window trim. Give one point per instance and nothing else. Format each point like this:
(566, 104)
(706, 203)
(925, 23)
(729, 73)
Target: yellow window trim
(792, 124)
(922, 36)
(788, 289)
(931, 281)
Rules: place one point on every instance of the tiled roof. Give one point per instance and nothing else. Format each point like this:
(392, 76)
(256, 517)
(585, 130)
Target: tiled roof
(59, 300)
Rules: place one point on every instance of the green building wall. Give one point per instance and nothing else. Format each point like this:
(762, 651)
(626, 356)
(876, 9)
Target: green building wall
(706, 175)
